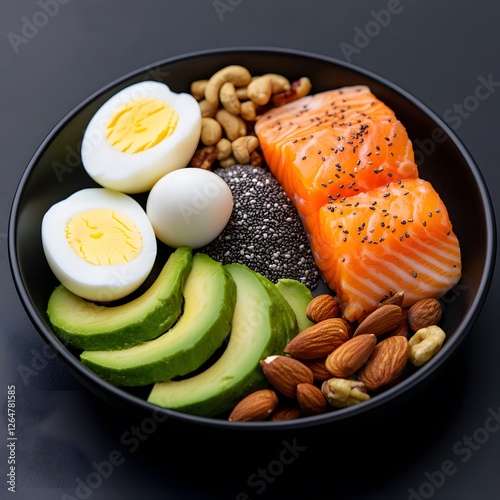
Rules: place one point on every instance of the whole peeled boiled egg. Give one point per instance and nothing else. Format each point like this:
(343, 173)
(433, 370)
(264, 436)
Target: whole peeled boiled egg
(99, 243)
(141, 133)
(189, 207)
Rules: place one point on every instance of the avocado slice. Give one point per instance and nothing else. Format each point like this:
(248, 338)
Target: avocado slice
(259, 328)
(291, 324)
(209, 301)
(298, 296)
(90, 326)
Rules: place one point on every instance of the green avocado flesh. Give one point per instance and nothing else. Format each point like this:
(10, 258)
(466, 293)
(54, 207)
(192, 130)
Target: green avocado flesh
(259, 328)
(290, 319)
(86, 325)
(298, 296)
(209, 302)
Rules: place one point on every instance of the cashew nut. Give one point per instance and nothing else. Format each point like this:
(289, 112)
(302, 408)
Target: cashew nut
(243, 147)
(279, 83)
(211, 131)
(234, 126)
(304, 87)
(229, 99)
(242, 93)
(425, 343)
(224, 149)
(207, 109)
(238, 75)
(248, 111)
(260, 90)
(263, 87)
(198, 89)
(228, 162)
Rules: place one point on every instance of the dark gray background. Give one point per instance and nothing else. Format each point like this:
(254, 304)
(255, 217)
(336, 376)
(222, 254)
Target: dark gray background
(436, 51)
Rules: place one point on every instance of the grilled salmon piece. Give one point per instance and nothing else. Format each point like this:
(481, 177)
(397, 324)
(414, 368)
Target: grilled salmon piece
(375, 227)
(333, 144)
(391, 238)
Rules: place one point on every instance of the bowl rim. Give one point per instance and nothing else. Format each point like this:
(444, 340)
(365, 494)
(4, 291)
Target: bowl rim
(90, 379)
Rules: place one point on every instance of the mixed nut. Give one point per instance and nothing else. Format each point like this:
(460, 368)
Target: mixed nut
(230, 101)
(337, 364)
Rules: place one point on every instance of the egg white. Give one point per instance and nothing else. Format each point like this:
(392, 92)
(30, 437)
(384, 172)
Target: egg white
(90, 281)
(189, 207)
(137, 172)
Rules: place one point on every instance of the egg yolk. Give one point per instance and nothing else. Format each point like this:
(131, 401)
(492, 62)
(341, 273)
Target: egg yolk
(140, 124)
(103, 237)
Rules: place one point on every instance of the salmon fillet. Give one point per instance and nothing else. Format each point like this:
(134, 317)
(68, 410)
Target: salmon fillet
(375, 227)
(392, 238)
(333, 144)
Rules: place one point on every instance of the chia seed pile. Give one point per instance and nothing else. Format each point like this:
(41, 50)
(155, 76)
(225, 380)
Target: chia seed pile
(264, 232)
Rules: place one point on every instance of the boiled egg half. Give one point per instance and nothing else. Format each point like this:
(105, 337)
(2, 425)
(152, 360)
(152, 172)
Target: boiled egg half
(99, 243)
(141, 133)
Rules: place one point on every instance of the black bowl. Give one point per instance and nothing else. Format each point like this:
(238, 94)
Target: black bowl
(55, 172)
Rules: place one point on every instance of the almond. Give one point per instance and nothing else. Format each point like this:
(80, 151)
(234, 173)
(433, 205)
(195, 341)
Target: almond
(256, 406)
(386, 363)
(351, 356)
(323, 307)
(318, 340)
(286, 373)
(350, 326)
(402, 329)
(396, 299)
(424, 313)
(318, 367)
(311, 399)
(286, 411)
(381, 320)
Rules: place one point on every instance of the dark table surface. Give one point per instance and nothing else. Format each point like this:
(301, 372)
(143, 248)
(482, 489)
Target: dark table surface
(445, 445)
